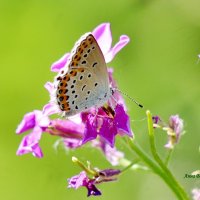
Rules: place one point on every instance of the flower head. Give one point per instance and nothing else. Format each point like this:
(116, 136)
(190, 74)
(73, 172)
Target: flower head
(82, 180)
(156, 119)
(107, 123)
(36, 121)
(89, 178)
(174, 131)
(104, 122)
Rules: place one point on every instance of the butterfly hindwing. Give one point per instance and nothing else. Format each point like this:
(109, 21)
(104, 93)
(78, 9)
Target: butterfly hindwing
(86, 82)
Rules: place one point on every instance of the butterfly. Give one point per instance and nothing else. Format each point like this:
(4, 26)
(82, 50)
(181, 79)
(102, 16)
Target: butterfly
(84, 82)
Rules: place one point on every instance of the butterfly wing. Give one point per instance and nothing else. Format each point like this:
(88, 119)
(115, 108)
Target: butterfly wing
(85, 82)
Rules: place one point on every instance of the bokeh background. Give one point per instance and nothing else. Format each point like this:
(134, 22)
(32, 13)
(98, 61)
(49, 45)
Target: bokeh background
(159, 68)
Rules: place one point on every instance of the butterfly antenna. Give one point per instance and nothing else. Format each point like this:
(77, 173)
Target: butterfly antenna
(132, 99)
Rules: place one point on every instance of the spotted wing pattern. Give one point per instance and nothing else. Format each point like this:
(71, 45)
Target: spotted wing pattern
(84, 83)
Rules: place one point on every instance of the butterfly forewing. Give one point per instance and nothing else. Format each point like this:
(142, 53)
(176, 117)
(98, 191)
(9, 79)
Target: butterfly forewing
(85, 83)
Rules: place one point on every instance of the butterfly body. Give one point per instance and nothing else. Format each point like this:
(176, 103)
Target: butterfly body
(84, 82)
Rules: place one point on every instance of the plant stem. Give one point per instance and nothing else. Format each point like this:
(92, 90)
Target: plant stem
(169, 154)
(172, 179)
(154, 167)
(130, 165)
(86, 169)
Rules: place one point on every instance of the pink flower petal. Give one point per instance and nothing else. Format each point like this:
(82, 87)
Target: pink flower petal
(108, 131)
(56, 66)
(50, 109)
(113, 51)
(66, 129)
(102, 34)
(122, 120)
(77, 181)
(49, 87)
(29, 144)
(27, 123)
(41, 120)
(90, 131)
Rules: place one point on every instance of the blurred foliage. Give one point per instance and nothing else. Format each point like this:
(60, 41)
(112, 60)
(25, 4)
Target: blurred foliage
(159, 68)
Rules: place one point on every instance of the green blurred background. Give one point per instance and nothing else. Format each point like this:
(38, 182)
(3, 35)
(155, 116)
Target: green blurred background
(159, 67)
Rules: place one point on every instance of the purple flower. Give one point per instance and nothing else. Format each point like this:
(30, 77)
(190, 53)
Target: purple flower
(98, 122)
(106, 122)
(156, 119)
(66, 129)
(174, 131)
(196, 194)
(105, 125)
(82, 180)
(70, 131)
(38, 122)
(103, 35)
(72, 134)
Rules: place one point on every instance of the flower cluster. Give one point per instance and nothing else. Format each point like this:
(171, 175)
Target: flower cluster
(174, 129)
(90, 177)
(99, 125)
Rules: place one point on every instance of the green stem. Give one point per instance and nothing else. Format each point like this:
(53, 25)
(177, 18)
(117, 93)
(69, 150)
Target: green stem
(169, 154)
(133, 165)
(153, 166)
(172, 179)
(86, 169)
(130, 165)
